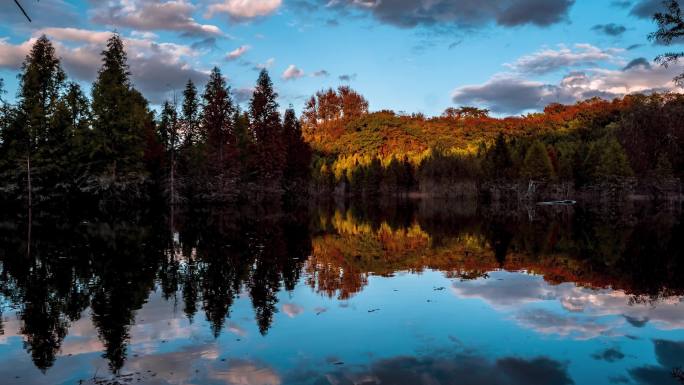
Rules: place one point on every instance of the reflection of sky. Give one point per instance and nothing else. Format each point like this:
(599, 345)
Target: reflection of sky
(511, 328)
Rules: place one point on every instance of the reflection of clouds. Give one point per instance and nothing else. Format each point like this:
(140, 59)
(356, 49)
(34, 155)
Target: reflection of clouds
(242, 372)
(236, 329)
(546, 322)
(453, 370)
(512, 292)
(292, 310)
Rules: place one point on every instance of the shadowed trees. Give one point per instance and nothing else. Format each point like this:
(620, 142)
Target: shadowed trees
(111, 151)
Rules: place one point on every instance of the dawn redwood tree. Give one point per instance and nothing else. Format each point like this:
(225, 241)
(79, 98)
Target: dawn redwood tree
(267, 130)
(121, 117)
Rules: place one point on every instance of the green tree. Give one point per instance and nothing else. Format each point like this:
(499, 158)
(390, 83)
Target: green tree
(614, 163)
(217, 117)
(121, 118)
(217, 122)
(40, 85)
(499, 161)
(190, 115)
(267, 131)
(537, 164)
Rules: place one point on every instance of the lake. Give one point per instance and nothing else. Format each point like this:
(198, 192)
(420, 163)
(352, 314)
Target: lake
(412, 292)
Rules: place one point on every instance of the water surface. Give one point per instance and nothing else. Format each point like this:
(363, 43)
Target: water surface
(413, 293)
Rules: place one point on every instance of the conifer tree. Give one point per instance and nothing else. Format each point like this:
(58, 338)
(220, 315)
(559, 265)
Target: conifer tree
(614, 164)
(267, 131)
(121, 117)
(217, 117)
(298, 153)
(68, 150)
(537, 165)
(40, 85)
(217, 124)
(190, 115)
(499, 161)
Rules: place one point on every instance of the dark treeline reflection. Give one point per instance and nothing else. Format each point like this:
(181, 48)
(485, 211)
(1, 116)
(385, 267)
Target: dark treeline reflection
(54, 266)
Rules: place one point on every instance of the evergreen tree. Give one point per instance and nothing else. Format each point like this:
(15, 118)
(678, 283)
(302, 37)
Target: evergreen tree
(192, 155)
(298, 153)
(614, 164)
(217, 117)
(40, 85)
(217, 123)
(121, 118)
(267, 131)
(190, 115)
(537, 165)
(68, 149)
(373, 177)
(168, 132)
(499, 161)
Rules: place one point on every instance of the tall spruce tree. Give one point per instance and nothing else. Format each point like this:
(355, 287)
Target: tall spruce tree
(217, 122)
(267, 131)
(40, 85)
(217, 116)
(190, 115)
(121, 118)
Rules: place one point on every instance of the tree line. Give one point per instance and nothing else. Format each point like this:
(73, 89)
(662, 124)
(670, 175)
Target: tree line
(56, 143)
(631, 144)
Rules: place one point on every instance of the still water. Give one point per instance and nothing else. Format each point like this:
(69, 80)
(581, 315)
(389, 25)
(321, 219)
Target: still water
(414, 293)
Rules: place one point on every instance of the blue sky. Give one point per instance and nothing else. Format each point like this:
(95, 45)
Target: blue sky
(511, 56)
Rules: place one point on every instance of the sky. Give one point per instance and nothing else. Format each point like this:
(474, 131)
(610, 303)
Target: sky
(412, 56)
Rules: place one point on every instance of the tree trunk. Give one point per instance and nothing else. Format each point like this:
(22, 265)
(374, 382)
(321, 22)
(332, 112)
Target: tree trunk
(28, 174)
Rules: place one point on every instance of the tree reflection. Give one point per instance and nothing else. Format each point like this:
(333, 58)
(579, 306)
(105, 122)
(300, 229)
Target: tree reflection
(205, 258)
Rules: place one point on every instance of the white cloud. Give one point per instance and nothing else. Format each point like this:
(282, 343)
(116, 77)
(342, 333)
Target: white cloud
(152, 15)
(512, 94)
(244, 9)
(292, 72)
(550, 60)
(237, 52)
(155, 67)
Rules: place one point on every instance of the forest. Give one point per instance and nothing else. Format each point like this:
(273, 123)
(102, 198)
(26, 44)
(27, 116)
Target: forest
(58, 145)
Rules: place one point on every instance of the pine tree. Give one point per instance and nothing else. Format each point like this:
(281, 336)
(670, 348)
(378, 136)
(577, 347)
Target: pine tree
(267, 131)
(537, 165)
